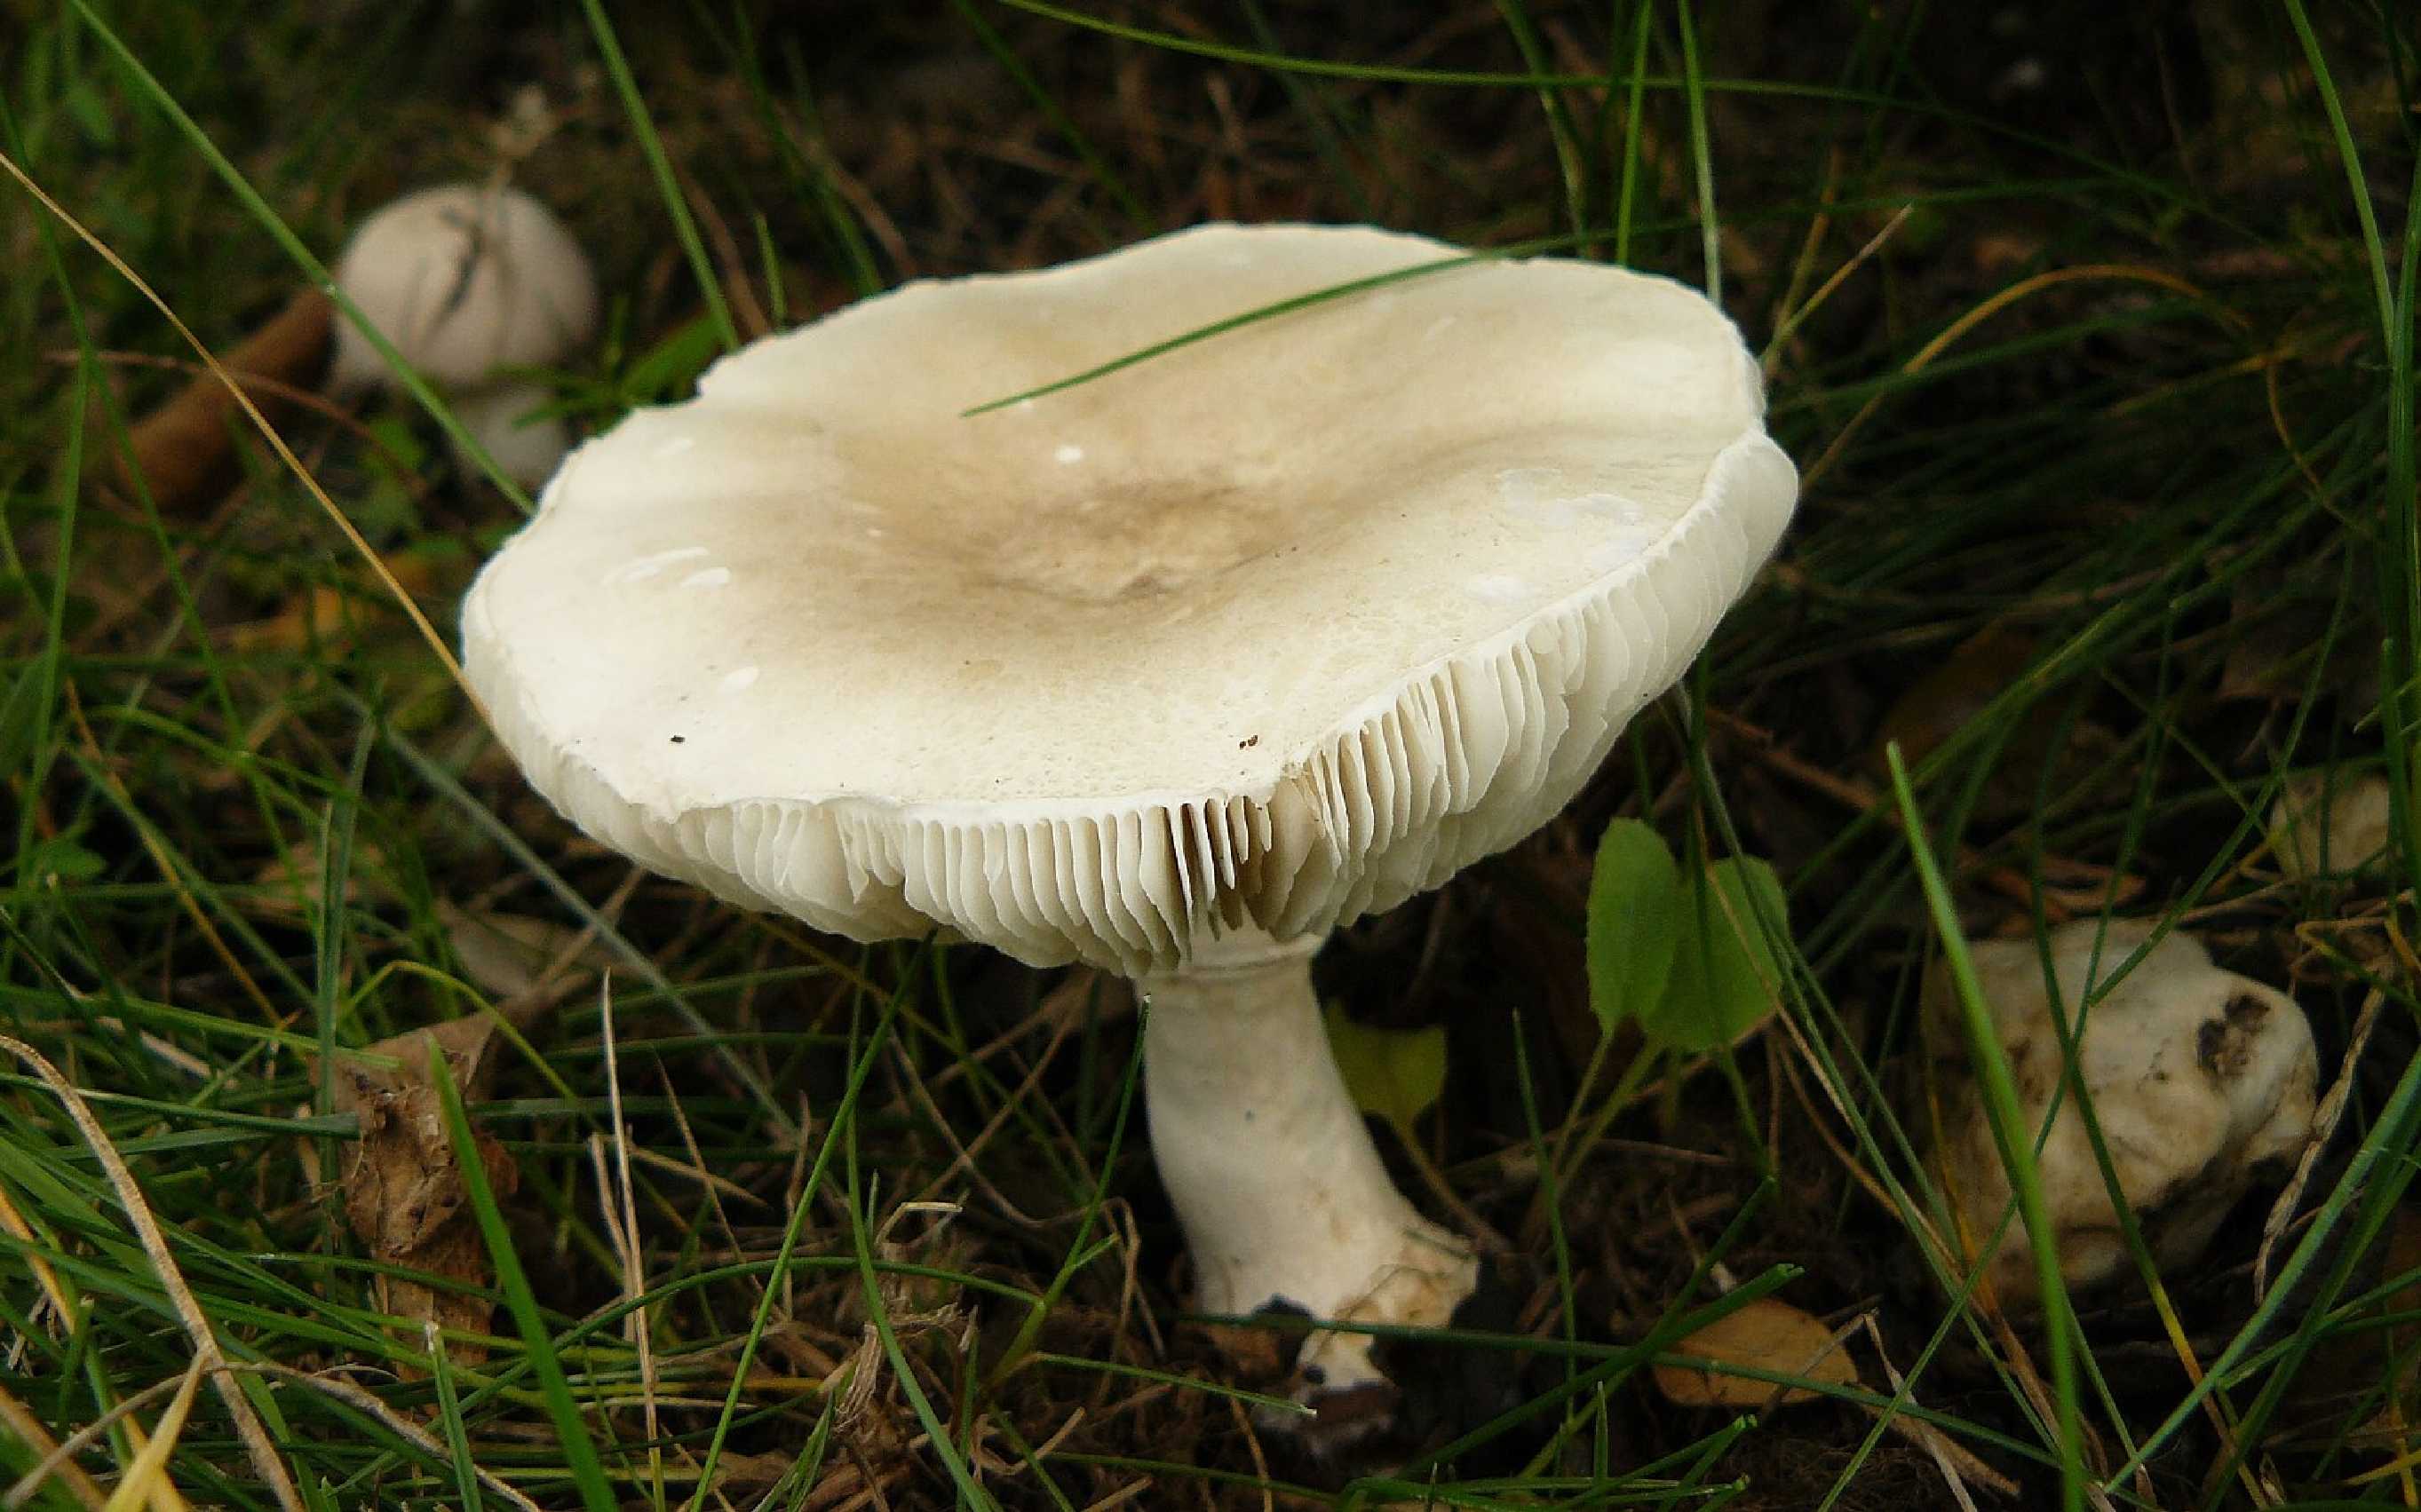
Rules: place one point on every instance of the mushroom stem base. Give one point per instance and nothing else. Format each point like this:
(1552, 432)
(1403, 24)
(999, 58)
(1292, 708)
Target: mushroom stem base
(1270, 1167)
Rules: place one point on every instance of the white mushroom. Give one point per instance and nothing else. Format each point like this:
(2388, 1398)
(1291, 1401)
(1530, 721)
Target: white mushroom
(469, 283)
(529, 445)
(2197, 1076)
(1171, 672)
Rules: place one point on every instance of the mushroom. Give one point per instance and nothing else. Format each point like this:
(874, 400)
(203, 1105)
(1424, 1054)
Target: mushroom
(469, 283)
(1170, 671)
(2197, 1076)
(512, 422)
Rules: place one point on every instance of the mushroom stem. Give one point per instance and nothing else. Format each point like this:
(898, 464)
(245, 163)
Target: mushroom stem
(1270, 1167)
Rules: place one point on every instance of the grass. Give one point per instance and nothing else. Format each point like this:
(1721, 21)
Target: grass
(2094, 342)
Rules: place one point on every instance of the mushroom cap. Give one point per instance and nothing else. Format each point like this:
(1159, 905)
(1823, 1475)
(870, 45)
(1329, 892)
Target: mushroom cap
(463, 280)
(1279, 628)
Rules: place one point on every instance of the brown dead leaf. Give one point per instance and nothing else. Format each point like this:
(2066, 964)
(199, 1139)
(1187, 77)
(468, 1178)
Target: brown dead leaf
(519, 960)
(1771, 1335)
(331, 615)
(184, 449)
(286, 885)
(2005, 254)
(1933, 708)
(1768, 1335)
(1939, 703)
(322, 615)
(2278, 622)
(404, 1192)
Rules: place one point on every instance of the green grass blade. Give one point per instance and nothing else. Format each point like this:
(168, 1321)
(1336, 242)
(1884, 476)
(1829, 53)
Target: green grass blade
(1139, 216)
(2014, 1140)
(579, 1449)
(1627, 189)
(643, 126)
(1570, 161)
(449, 1420)
(1702, 156)
(937, 1433)
(1259, 313)
(844, 1117)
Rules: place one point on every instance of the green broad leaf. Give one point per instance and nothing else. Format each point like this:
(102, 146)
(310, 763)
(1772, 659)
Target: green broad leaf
(1396, 1073)
(1634, 918)
(1726, 975)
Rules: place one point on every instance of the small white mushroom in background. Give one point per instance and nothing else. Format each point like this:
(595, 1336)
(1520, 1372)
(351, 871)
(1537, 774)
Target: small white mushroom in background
(1168, 672)
(2327, 822)
(464, 280)
(508, 421)
(2198, 1075)
(470, 282)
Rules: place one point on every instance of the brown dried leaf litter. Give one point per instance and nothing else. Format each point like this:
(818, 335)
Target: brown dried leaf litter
(184, 452)
(404, 1191)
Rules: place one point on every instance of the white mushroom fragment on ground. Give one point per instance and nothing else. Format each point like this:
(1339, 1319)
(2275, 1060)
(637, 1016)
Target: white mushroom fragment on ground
(2198, 1077)
(470, 282)
(1171, 672)
(2327, 823)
